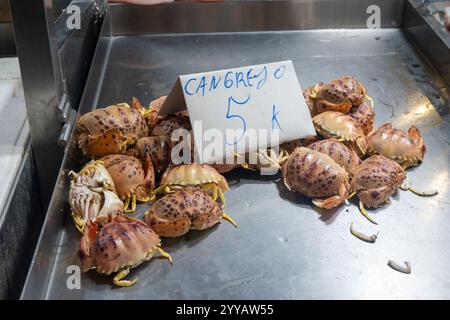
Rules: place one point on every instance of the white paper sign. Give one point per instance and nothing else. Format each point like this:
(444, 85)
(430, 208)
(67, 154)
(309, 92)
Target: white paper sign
(242, 101)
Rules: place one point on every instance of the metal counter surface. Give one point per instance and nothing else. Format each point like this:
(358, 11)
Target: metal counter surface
(284, 248)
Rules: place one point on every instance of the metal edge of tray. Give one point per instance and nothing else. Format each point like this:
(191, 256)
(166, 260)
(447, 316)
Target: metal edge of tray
(37, 283)
(49, 240)
(20, 225)
(429, 36)
(240, 16)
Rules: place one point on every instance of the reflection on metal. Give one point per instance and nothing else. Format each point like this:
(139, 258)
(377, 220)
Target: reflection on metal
(67, 128)
(7, 46)
(429, 35)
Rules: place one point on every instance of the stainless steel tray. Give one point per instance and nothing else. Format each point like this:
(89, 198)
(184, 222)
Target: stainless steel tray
(284, 248)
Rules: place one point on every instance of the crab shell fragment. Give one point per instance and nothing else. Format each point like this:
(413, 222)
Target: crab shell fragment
(343, 127)
(316, 175)
(92, 195)
(376, 179)
(110, 130)
(339, 152)
(121, 244)
(407, 149)
(187, 209)
(129, 175)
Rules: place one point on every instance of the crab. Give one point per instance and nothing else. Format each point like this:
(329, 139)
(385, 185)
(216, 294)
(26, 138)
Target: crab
(121, 244)
(92, 195)
(364, 116)
(190, 208)
(110, 130)
(194, 174)
(407, 149)
(133, 181)
(152, 117)
(338, 95)
(375, 180)
(339, 152)
(342, 127)
(316, 175)
(155, 149)
(167, 125)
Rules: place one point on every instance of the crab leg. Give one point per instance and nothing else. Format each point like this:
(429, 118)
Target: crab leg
(217, 192)
(328, 203)
(124, 283)
(408, 187)
(365, 213)
(229, 219)
(370, 99)
(127, 203)
(362, 236)
(79, 223)
(165, 255)
(394, 265)
(155, 192)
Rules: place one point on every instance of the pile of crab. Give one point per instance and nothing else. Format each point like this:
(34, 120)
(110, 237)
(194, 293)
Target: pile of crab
(129, 149)
(349, 157)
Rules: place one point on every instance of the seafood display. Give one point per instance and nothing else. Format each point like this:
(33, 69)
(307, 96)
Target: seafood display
(330, 166)
(133, 149)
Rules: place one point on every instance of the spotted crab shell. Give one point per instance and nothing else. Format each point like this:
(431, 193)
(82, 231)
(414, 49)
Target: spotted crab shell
(405, 148)
(332, 124)
(376, 179)
(187, 209)
(313, 174)
(129, 175)
(339, 95)
(364, 116)
(110, 130)
(123, 242)
(169, 124)
(194, 174)
(156, 149)
(92, 194)
(339, 152)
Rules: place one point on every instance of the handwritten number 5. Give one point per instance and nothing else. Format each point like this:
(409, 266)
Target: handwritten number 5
(230, 115)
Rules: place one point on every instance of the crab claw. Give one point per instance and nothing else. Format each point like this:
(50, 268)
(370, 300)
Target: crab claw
(329, 203)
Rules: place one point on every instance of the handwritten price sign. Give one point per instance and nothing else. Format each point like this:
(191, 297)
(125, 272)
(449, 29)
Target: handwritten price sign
(239, 102)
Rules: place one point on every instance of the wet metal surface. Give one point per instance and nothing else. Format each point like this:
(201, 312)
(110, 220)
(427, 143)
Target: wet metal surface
(283, 248)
